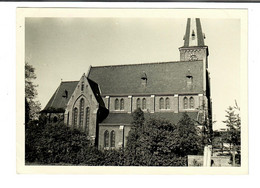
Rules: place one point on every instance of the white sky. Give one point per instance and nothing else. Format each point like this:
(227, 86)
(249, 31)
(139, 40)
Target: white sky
(64, 48)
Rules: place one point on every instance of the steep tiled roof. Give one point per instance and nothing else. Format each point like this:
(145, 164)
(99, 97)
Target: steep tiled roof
(95, 89)
(58, 99)
(162, 78)
(126, 118)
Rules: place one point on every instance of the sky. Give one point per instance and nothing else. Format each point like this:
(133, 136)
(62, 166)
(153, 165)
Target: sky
(64, 48)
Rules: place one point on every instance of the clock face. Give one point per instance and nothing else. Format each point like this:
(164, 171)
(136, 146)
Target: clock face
(193, 57)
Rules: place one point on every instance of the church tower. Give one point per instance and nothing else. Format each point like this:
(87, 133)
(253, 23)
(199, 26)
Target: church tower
(194, 47)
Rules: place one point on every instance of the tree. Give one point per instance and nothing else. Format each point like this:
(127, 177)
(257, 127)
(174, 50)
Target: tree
(133, 138)
(156, 142)
(233, 122)
(187, 138)
(27, 112)
(58, 144)
(34, 106)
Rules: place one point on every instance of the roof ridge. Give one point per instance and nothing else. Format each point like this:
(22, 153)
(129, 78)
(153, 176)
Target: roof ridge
(70, 81)
(141, 64)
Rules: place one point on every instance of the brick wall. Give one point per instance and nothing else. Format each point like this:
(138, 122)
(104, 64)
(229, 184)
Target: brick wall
(153, 103)
(121, 133)
(186, 53)
(89, 101)
(172, 106)
(127, 102)
(196, 102)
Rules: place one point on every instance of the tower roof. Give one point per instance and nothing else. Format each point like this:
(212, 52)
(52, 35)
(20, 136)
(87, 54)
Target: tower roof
(193, 35)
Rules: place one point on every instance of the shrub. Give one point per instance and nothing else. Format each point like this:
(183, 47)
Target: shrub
(56, 143)
(155, 142)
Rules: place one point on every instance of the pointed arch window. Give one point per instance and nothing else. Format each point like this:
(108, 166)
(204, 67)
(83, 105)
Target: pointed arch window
(185, 103)
(138, 103)
(82, 86)
(116, 104)
(122, 104)
(81, 112)
(167, 103)
(75, 116)
(68, 119)
(161, 103)
(143, 103)
(87, 119)
(112, 139)
(191, 102)
(106, 139)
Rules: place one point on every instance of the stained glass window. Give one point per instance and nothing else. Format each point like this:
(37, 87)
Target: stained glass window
(81, 112)
(161, 103)
(112, 139)
(167, 103)
(191, 102)
(185, 103)
(75, 116)
(87, 119)
(144, 103)
(116, 104)
(106, 139)
(138, 103)
(122, 104)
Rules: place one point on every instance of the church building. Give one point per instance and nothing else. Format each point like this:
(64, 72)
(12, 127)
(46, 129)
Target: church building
(101, 103)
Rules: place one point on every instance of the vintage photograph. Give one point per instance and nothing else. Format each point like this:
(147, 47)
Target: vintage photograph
(133, 88)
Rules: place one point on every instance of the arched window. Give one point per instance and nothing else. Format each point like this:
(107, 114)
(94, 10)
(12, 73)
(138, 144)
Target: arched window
(55, 119)
(75, 116)
(87, 119)
(81, 112)
(122, 104)
(161, 103)
(185, 103)
(191, 102)
(116, 104)
(143, 103)
(68, 119)
(167, 103)
(138, 103)
(106, 139)
(82, 86)
(112, 139)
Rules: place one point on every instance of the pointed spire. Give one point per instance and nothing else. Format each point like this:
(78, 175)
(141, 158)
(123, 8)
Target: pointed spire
(194, 35)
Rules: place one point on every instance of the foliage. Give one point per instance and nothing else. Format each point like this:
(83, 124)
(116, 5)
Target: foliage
(187, 138)
(151, 142)
(133, 138)
(27, 112)
(233, 122)
(233, 136)
(31, 93)
(155, 142)
(54, 110)
(113, 158)
(57, 144)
